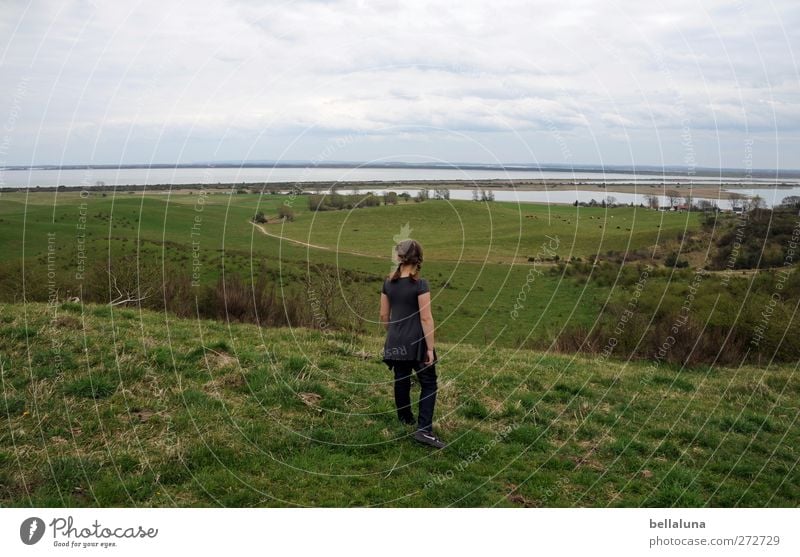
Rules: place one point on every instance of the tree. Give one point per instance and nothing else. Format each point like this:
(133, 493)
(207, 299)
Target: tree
(286, 213)
(674, 197)
(316, 202)
(259, 218)
(651, 201)
(441, 193)
(475, 195)
(758, 202)
(737, 200)
(390, 198)
(706, 205)
(791, 201)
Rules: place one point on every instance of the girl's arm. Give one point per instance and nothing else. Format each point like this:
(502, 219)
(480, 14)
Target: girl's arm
(384, 311)
(426, 317)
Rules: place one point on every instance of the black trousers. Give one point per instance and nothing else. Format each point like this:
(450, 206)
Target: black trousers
(426, 375)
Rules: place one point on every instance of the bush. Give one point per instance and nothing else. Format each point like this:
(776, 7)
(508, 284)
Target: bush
(725, 325)
(286, 213)
(672, 260)
(335, 201)
(759, 239)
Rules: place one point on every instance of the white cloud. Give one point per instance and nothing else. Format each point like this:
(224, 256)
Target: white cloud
(107, 80)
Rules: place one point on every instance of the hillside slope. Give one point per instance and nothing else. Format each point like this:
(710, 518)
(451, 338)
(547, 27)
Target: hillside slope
(142, 409)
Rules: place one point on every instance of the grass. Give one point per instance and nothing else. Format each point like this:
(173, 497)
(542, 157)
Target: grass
(126, 408)
(476, 253)
(452, 231)
(140, 408)
(498, 232)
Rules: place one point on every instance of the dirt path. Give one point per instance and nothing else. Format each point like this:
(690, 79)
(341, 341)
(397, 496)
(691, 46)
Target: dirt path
(315, 246)
(520, 258)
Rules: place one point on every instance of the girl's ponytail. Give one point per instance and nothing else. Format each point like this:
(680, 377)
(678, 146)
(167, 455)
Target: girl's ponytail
(396, 274)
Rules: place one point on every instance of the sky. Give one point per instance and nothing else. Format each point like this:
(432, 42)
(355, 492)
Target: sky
(689, 83)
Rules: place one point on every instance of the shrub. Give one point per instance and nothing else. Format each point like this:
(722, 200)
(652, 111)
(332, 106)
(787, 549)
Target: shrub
(759, 239)
(673, 260)
(335, 201)
(286, 213)
(724, 325)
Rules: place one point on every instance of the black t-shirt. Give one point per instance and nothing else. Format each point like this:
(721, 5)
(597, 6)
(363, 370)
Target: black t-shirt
(405, 339)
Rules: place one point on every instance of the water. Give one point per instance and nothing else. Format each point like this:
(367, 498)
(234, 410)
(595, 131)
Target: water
(142, 176)
(771, 196)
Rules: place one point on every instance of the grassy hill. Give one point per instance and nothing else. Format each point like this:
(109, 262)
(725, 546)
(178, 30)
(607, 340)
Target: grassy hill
(451, 231)
(130, 408)
(499, 232)
(476, 253)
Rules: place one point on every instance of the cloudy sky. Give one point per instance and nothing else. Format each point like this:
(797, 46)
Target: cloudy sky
(701, 83)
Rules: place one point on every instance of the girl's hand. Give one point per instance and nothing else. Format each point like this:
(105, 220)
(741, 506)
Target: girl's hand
(429, 357)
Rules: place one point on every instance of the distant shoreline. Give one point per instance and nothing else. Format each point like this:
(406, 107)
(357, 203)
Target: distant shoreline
(699, 190)
(645, 170)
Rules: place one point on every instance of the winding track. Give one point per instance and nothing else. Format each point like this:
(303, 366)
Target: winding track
(315, 246)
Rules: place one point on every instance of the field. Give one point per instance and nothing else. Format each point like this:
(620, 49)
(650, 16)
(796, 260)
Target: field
(451, 231)
(477, 254)
(125, 408)
(132, 405)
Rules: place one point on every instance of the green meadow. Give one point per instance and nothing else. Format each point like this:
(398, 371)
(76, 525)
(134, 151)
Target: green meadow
(131, 405)
(117, 407)
(477, 254)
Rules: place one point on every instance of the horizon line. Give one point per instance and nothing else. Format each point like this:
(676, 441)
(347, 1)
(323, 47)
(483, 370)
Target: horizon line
(509, 167)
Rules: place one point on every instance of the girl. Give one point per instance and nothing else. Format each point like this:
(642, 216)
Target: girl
(406, 300)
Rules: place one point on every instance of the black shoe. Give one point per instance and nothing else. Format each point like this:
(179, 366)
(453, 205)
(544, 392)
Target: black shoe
(428, 438)
(409, 420)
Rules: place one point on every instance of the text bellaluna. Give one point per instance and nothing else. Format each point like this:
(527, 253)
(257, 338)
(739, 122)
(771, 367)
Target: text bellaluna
(680, 523)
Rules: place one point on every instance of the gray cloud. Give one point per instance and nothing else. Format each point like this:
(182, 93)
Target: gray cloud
(165, 81)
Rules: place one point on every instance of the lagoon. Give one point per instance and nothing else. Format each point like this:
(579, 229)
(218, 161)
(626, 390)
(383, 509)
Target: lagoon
(228, 175)
(771, 196)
